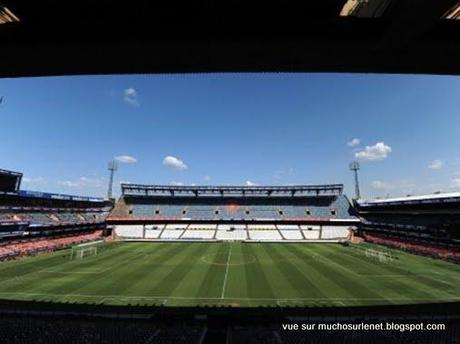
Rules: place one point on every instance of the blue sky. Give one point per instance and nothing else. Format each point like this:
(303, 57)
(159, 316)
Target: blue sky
(233, 129)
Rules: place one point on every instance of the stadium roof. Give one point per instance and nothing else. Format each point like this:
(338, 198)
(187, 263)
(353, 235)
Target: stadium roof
(52, 37)
(10, 173)
(432, 198)
(173, 190)
(48, 195)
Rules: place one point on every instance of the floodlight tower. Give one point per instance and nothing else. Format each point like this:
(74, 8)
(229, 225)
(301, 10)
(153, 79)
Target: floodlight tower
(354, 166)
(112, 167)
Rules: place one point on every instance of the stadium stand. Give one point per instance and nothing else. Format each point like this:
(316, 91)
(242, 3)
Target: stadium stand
(13, 249)
(264, 213)
(32, 222)
(198, 234)
(172, 233)
(131, 231)
(426, 224)
(121, 328)
(28, 329)
(265, 235)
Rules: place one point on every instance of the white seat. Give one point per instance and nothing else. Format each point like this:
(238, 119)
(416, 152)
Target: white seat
(129, 231)
(264, 235)
(237, 234)
(152, 233)
(171, 233)
(198, 234)
(334, 232)
(311, 235)
(292, 234)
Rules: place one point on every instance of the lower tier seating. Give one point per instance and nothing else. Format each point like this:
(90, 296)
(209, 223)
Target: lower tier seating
(256, 232)
(27, 247)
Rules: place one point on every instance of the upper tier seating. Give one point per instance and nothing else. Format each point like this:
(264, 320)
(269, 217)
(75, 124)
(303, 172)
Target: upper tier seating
(334, 207)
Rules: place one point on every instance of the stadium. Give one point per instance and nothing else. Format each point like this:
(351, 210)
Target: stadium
(166, 247)
(229, 214)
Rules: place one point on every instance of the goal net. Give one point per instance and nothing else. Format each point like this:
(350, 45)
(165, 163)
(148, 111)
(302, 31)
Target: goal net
(83, 251)
(381, 256)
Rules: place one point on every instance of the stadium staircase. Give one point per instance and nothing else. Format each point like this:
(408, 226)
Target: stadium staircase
(120, 209)
(161, 233)
(303, 235)
(185, 230)
(281, 234)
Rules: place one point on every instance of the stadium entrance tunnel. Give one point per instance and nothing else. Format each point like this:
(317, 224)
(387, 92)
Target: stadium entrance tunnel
(225, 259)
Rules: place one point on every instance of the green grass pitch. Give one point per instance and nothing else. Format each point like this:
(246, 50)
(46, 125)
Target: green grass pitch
(231, 274)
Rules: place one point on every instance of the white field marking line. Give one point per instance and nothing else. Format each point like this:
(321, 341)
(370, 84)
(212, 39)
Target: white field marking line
(409, 276)
(163, 297)
(17, 278)
(69, 273)
(226, 272)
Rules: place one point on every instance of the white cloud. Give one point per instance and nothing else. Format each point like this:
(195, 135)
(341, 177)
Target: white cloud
(436, 164)
(69, 183)
(83, 182)
(379, 151)
(174, 183)
(175, 163)
(249, 183)
(455, 183)
(354, 142)
(283, 173)
(126, 159)
(379, 185)
(131, 96)
(34, 181)
(207, 178)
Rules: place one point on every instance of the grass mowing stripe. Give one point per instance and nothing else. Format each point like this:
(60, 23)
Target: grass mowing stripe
(308, 264)
(424, 267)
(175, 276)
(66, 284)
(302, 284)
(213, 278)
(258, 284)
(197, 274)
(34, 280)
(409, 286)
(257, 275)
(336, 273)
(136, 267)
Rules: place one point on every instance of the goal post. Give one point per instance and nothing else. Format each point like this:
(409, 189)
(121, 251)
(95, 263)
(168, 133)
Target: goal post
(381, 256)
(83, 251)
